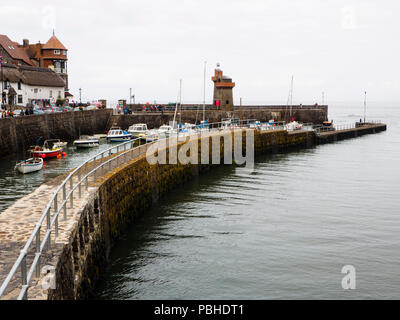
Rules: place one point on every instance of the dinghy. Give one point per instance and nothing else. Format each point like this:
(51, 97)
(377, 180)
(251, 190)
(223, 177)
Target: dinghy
(30, 165)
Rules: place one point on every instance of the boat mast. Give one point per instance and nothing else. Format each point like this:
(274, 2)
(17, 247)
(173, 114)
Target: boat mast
(176, 105)
(365, 105)
(180, 100)
(204, 92)
(291, 97)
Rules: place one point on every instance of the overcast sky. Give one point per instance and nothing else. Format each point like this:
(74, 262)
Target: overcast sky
(338, 47)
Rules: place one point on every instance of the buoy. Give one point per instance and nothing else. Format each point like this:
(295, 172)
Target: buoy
(64, 154)
(59, 156)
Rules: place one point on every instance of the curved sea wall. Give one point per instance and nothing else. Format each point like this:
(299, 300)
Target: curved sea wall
(124, 195)
(80, 252)
(19, 133)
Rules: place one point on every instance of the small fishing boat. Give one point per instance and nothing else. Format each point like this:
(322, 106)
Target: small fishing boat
(116, 134)
(86, 142)
(166, 130)
(60, 144)
(138, 130)
(294, 125)
(29, 165)
(48, 150)
(100, 136)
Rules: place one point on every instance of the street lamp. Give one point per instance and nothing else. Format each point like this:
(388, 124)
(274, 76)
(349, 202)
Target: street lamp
(80, 95)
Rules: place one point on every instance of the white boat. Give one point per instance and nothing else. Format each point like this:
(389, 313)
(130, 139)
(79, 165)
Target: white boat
(118, 135)
(166, 131)
(86, 142)
(138, 130)
(30, 165)
(294, 125)
(60, 144)
(100, 136)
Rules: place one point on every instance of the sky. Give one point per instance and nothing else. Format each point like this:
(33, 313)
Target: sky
(341, 48)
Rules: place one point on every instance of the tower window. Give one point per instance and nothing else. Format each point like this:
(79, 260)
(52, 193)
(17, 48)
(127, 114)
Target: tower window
(227, 101)
(57, 52)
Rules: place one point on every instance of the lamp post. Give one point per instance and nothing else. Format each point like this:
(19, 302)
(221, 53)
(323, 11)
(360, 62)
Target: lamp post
(80, 95)
(365, 105)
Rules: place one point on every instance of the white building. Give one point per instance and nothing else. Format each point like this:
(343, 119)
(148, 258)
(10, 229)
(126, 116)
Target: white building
(25, 84)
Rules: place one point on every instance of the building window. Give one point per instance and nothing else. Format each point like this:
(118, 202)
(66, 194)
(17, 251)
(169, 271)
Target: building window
(59, 94)
(57, 52)
(35, 90)
(19, 85)
(20, 99)
(51, 93)
(227, 101)
(64, 52)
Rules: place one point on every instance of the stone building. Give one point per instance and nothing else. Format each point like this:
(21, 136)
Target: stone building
(223, 86)
(24, 84)
(50, 55)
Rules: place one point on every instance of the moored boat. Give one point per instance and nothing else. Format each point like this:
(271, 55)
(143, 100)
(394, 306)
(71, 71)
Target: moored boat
(86, 142)
(48, 150)
(29, 165)
(116, 134)
(138, 130)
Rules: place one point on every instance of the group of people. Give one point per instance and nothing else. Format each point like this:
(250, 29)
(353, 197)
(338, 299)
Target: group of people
(4, 113)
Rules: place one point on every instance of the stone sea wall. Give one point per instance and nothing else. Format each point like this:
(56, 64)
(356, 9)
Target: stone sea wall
(124, 195)
(19, 133)
(155, 120)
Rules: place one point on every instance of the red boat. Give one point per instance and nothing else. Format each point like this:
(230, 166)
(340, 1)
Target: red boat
(47, 151)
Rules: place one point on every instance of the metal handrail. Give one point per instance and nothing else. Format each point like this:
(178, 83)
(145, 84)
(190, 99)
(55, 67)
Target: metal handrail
(348, 126)
(51, 222)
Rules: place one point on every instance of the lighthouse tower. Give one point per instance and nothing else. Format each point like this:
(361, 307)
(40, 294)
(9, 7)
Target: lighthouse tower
(223, 85)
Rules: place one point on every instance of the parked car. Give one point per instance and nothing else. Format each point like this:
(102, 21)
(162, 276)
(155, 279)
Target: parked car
(17, 113)
(37, 110)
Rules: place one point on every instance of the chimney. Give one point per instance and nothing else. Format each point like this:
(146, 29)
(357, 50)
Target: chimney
(25, 43)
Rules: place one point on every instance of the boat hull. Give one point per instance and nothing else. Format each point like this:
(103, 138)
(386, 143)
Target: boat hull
(29, 167)
(47, 154)
(86, 144)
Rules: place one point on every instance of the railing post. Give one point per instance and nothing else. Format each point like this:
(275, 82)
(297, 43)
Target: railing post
(102, 164)
(38, 253)
(125, 153)
(109, 163)
(48, 229)
(71, 197)
(24, 273)
(87, 178)
(65, 203)
(80, 187)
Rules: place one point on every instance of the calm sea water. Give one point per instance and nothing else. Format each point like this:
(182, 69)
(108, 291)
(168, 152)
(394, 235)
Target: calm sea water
(283, 232)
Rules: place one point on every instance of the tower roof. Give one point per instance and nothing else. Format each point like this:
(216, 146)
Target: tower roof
(54, 43)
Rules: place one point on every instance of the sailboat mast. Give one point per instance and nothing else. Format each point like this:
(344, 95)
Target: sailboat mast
(176, 105)
(180, 100)
(291, 97)
(365, 105)
(204, 92)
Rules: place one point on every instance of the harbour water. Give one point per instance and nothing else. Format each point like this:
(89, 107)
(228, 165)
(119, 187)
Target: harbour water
(14, 185)
(283, 232)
